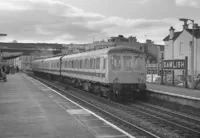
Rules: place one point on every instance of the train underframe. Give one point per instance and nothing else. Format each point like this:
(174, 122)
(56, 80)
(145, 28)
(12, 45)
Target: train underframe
(114, 91)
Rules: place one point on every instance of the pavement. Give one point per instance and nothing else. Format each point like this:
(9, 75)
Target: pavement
(174, 90)
(29, 109)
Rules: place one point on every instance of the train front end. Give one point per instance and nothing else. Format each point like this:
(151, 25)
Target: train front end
(127, 73)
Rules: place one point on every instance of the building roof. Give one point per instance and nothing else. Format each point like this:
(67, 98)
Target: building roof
(176, 34)
(196, 32)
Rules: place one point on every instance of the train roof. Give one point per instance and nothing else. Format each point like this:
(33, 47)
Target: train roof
(103, 51)
(37, 60)
(52, 58)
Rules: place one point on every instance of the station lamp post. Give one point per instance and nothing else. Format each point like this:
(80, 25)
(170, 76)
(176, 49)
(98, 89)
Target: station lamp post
(192, 51)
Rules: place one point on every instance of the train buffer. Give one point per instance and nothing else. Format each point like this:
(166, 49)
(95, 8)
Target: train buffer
(31, 109)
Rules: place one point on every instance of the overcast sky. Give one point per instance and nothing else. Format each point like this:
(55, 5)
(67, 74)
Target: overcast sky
(79, 21)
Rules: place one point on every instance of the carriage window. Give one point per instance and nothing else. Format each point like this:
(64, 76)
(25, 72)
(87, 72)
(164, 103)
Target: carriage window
(104, 63)
(127, 63)
(88, 64)
(76, 64)
(116, 63)
(80, 65)
(97, 63)
(69, 64)
(94, 64)
(72, 63)
(91, 63)
(65, 64)
(85, 65)
(57, 64)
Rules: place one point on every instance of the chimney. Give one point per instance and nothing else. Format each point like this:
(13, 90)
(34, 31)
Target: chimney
(171, 33)
(132, 39)
(196, 26)
(148, 41)
(185, 26)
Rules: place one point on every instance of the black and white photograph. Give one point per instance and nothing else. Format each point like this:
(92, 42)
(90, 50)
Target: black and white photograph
(99, 69)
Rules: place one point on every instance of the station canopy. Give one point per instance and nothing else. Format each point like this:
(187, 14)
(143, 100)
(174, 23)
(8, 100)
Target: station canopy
(7, 56)
(14, 50)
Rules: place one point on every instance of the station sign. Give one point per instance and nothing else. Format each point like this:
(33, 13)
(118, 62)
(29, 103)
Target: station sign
(174, 64)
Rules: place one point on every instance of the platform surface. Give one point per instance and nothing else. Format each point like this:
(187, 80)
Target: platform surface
(29, 109)
(174, 90)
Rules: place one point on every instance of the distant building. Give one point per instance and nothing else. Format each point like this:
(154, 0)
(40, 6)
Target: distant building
(116, 41)
(154, 53)
(73, 48)
(178, 46)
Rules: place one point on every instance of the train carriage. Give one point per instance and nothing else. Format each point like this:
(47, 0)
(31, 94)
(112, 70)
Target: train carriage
(114, 72)
(37, 66)
(52, 65)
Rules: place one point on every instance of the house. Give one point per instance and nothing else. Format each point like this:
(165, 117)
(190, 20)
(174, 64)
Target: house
(154, 53)
(178, 46)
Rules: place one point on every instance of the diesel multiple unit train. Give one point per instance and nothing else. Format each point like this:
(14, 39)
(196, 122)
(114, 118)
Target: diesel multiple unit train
(114, 72)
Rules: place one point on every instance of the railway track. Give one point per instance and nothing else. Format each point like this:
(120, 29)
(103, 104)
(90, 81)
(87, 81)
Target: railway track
(184, 126)
(150, 121)
(135, 130)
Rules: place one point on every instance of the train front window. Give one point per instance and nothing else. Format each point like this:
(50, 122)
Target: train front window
(116, 63)
(127, 63)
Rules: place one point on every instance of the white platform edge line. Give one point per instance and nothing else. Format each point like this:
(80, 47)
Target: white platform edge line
(173, 94)
(110, 136)
(119, 129)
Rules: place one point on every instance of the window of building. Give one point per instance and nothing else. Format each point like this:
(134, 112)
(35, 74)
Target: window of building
(162, 55)
(190, 47)
(181, 48)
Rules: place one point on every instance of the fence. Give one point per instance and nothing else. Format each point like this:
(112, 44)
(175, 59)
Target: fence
(172, 73)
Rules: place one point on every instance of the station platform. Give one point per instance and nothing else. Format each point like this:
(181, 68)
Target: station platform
(189, 93)
(29, 109)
